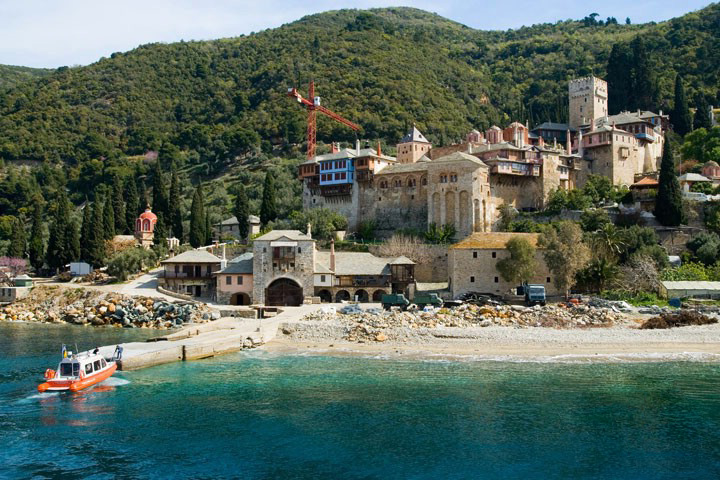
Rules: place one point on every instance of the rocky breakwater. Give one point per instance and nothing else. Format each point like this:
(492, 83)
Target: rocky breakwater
(381, 326)
(83, 307)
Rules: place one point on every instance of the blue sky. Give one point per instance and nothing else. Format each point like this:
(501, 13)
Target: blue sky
(52, 33)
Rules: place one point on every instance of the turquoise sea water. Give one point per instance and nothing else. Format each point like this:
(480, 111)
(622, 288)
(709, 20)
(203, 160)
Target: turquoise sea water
(257, 415)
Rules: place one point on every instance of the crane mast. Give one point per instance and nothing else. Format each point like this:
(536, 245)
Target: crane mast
(312, 104)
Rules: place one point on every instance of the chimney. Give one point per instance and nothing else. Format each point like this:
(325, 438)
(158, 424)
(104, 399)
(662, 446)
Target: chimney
(379, 149)
(309, 230)
(357, 146)
(334, 148)
(332, 255)
(568, 144)
(580, 143)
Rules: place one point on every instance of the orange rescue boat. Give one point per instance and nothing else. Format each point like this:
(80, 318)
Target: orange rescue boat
(77, 372)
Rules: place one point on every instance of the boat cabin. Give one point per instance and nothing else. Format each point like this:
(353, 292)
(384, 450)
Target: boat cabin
(72, 366)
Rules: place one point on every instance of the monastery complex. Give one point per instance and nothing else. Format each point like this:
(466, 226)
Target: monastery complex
(466, 183)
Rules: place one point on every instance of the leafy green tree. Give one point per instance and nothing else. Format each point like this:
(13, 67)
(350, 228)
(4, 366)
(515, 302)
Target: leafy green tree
(702, 114)
(131, 204)
(175, 206)
(608, 242)
(594, 219)
(268, 207)
(668, 204)
(521, 265)
(18, 240)
(241, 210)
(705, 247)
(197, 218)
(565, 253)
(36, 246)
(440, 234)
(131, 261)
(680, 115)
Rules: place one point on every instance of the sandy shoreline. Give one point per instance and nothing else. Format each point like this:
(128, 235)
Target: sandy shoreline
(617, 344)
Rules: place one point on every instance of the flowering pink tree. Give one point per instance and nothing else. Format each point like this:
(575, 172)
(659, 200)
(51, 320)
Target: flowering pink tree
(11, 267)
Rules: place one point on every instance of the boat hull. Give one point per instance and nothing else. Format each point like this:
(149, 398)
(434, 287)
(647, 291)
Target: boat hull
(79, 384)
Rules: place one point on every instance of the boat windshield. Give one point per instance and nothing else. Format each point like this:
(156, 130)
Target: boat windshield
(69, 369)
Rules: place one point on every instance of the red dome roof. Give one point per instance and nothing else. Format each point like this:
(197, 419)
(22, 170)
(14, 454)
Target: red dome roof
(148, 215)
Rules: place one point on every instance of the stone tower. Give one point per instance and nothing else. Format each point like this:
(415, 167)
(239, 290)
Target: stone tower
(412, 146)
(588, 101)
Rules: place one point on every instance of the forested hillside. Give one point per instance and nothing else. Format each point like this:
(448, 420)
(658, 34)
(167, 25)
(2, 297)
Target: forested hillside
(384, 69)
(11, 75)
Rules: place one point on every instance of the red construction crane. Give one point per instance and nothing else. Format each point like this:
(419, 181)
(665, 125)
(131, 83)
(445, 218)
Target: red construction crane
(313, 105)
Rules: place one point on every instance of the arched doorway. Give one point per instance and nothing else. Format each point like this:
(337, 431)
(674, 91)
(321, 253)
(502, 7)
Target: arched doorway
(342, 296)
(377, 295)
(240, 299)
(284, 292)
(325, 296)
(362, 296)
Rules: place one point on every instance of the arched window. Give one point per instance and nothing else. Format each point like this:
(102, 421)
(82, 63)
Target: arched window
(423, 182)
(411, 182)
(137, 224)
(383, 184)
(146, 225)
(397, 182)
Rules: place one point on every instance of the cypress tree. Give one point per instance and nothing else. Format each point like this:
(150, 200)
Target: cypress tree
(668, 203)
(108, 218)
(175, 211)
(644, 89)
(118, 204)
(58, 252)
(268, 206)
(143, 201)
(36, 248)
(74, 246)
(131, 203)
(241, 211)
(619, 78)
(86, 247)
(208, 229)
(18, 240)
(197, 218)
(97, 235)
(680, 115)
(702, 113)
(159, 193)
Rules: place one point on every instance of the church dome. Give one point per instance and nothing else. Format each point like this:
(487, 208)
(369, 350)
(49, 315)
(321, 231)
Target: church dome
(711, 163)
(147, 214)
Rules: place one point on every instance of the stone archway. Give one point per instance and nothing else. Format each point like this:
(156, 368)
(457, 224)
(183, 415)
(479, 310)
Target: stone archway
(284, 292)
(240, 298)
(362, 296)
(342, 296)
(377, 295)
(325, 296)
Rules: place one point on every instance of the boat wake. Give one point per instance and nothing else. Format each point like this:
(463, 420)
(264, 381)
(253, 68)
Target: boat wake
(115, 382)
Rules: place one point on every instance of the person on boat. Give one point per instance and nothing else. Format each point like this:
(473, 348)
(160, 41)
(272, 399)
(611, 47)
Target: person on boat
(97, 349)
(118, 352)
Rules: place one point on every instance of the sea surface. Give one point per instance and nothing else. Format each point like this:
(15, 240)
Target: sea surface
(263, 416)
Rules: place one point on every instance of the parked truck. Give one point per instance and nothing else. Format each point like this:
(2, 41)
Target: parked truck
(421, 300)
(534, 294)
